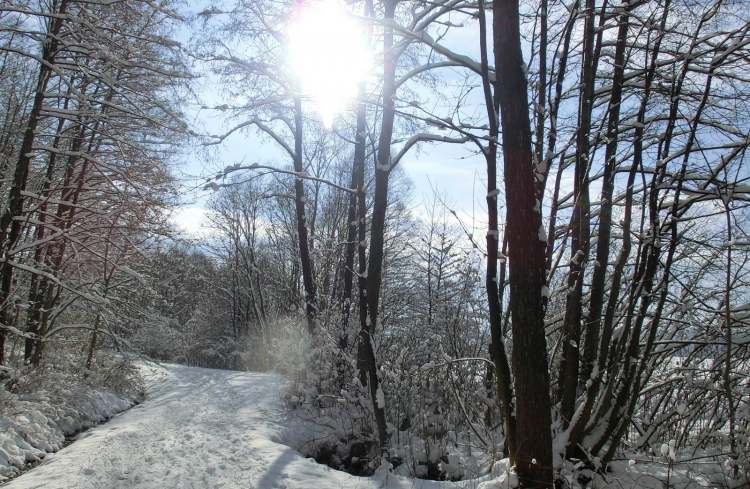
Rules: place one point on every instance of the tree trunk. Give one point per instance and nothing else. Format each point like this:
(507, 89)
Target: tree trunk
(526, 248)
(32, 317)
(494, 283)
(10, 226)
(374, 269)
(590, 372)
(580, 231)
(308, 277)
(357, 182)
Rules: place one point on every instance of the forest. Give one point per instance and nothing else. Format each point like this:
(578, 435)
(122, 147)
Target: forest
(584, 314)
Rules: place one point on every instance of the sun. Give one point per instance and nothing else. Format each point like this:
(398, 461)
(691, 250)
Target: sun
(328, 54)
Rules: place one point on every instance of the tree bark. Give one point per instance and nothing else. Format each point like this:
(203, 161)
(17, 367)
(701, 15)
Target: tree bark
(306, 262)
(580, 230)
(374, 269)
(526, 248)
(352, 243)
(494, 284)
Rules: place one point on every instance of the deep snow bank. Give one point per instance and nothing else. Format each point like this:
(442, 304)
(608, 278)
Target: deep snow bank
(38, 413)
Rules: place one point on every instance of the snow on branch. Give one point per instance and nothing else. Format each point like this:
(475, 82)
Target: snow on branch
(257, 166)
(423, 137)
(219, 138)
(457, 58)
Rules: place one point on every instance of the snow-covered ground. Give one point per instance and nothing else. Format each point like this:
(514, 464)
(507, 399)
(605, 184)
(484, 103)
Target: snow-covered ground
(209, 429)
(38, 412)
(199, 428)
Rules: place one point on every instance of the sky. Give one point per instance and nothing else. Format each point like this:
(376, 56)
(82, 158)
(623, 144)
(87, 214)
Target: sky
(455, 172)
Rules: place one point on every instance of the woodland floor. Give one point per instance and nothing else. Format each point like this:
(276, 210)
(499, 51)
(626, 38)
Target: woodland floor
(198, 428)
(210, 429)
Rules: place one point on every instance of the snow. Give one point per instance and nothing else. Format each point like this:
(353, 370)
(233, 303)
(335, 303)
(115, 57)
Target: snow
(542, 234)
(380, 398)
(205, 428)
(35, 423)
(201, 428)
(651, 474)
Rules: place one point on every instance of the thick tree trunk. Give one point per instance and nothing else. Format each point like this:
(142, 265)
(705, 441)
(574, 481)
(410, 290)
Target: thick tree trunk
(43, 295)
(526, 248)
(494, 284)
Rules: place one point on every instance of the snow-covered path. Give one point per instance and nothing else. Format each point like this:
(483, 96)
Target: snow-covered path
(198, 428)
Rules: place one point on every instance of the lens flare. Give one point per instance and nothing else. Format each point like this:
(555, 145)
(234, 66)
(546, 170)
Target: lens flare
(328, 54)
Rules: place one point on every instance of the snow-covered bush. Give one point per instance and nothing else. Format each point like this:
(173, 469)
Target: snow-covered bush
(436, 430)
(334, 420)
(41, 407)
